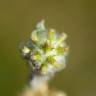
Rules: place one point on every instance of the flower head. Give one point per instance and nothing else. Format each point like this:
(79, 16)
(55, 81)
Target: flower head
(46, 50)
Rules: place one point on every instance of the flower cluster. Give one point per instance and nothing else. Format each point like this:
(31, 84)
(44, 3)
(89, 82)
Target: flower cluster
(46, 50)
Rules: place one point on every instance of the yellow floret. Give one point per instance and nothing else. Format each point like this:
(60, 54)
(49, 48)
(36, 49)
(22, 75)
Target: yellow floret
(25, 50)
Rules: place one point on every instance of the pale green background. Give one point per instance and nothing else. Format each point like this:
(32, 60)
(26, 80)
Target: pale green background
(75, 17)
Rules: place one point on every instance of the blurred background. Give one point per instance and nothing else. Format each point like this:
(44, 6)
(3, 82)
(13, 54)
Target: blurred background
(75, 17)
